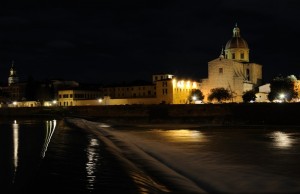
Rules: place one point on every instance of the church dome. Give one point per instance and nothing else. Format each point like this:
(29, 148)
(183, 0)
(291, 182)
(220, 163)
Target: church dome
(236, 41)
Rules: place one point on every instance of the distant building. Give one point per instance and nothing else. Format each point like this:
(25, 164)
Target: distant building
(263, 92)
(14, 91)
(232, 69)
(164, 89)
(297, 89)
(12, 78)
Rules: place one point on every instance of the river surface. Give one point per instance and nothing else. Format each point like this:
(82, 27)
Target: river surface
(80, 156)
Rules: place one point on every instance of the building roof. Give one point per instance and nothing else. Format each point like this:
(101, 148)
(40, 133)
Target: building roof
(236, 41)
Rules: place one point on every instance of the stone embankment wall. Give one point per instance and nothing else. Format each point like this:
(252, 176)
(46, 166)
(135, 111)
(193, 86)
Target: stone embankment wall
(225, 114)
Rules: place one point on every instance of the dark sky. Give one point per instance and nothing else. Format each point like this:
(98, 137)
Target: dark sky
(114, 41)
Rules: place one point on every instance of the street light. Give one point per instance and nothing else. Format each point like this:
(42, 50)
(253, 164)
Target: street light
(282, 97)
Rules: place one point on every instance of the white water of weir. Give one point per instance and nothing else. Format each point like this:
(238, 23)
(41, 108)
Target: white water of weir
(184, 170)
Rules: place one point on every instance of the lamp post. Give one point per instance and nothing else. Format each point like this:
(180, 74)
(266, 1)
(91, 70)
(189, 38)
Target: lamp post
(100, 100)
(194, 98)
(282, 97)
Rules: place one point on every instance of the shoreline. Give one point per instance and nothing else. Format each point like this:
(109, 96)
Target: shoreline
(231, 114)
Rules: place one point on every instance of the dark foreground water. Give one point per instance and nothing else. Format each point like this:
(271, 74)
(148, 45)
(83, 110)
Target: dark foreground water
(80, 156)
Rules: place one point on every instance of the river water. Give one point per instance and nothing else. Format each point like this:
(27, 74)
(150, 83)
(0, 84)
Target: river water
(80, 156)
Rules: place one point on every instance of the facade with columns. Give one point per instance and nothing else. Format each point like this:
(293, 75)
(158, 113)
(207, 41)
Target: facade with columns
(233, 70)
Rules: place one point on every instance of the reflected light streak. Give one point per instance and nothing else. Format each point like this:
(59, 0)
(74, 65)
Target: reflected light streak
(15, 127)
(184, 135)
(103, 125)
(91, 165)
(282, 140)
(50, 128)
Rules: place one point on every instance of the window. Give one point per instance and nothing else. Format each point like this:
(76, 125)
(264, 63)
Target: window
(248, 74)
(220, 70)
(242, 55)
(233, 55)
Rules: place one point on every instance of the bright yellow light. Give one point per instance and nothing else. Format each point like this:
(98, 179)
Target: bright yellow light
(188, 84)
(194, 85)
(100, 100)
(174, 82)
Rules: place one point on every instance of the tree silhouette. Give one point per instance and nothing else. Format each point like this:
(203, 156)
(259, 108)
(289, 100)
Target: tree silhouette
(282, 85)
(219, 94)
(249, 96)
(196, 93)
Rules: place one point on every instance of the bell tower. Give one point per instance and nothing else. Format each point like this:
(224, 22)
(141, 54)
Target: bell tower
(12, 78)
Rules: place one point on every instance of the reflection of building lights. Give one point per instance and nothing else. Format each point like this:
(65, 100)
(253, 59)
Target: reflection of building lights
(15, 127)
(183, 135)
(282, 140)
(91, 165)
(50, 128)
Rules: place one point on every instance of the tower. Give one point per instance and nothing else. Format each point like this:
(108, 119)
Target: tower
(12, 78)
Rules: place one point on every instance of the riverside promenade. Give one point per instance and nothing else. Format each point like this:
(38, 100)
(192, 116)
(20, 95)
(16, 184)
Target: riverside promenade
(217, 114)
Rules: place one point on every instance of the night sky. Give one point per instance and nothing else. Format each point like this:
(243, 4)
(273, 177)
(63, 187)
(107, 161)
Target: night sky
(120, 41)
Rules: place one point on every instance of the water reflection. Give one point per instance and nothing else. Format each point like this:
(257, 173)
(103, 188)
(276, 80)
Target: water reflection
(28, 145)
(281, 139)
(91, 165)
(183, 135)
(15, 127)
(50, 128)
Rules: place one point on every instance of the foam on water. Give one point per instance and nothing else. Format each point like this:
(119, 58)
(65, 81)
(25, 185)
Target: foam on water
(164, 167)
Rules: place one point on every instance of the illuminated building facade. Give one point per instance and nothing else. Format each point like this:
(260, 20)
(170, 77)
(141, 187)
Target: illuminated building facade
(232, 69)
(164, 89)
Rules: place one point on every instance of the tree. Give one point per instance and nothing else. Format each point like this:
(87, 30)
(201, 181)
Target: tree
(196, 94)
(249, 96)
(282, 86)
(219, 94)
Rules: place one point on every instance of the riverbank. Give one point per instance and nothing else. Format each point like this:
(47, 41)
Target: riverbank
(219, 114)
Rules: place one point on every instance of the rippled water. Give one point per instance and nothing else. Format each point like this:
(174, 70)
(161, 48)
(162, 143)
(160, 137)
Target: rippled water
(38, 157)
(49, 156)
